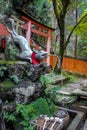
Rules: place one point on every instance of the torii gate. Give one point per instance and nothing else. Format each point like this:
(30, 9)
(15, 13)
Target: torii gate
(42, 30)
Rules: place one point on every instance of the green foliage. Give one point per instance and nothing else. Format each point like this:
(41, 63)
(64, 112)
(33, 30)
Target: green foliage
(15, 78)
(82, 5)
(37, 9)
(11, 51)
(47, 78)
(52, 107)
(6, 85)
(82, 49)
(41, 107)
(9, 117)
(53, 92)
(81, 29)
(25, 113)
(2, 70)
(71, 76)
(6, 7)
(41, 11)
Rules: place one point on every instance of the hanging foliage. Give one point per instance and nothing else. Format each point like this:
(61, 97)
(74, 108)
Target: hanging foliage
(81, 29)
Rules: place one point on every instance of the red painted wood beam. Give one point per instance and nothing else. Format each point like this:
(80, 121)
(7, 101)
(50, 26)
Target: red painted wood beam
(39, 32)
(36, 23)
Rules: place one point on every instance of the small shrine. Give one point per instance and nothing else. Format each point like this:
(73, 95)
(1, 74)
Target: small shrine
(33, 26)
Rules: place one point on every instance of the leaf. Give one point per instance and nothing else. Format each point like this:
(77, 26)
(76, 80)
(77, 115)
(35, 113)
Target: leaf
(1, 73)
(24, 123)
(15, 78)
(4, 68)
(9, 117)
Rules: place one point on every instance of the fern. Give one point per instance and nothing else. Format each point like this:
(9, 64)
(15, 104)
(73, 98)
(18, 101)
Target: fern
(15, 78)
(25, 113)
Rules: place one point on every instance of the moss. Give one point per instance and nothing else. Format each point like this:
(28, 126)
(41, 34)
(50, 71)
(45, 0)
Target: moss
(7, 62)
(7, 84)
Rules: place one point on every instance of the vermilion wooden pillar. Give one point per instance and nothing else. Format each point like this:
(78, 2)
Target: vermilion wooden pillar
(28, 32)
(3, 43)
(48, 47)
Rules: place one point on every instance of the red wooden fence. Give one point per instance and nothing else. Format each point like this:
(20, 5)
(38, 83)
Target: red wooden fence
(71, 64)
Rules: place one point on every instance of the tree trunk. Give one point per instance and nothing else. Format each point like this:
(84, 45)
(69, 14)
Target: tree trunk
(61, 25)
(2, 125)
(76, 37)
(60, 9)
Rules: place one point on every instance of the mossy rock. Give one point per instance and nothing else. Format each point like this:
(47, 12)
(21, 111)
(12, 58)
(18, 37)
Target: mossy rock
(6, 85)
(11, 51)
(5, 90)
(64, 99)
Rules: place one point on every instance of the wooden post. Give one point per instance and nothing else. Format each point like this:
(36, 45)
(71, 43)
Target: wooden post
(28, 33)
(48, 47)
(2, 124)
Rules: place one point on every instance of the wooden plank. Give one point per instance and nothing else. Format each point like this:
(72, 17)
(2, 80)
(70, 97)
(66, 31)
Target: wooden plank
(85, 125)
(77, 122)
(79, 92)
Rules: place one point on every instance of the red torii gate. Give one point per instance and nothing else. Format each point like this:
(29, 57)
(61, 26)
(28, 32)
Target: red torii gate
(40, 31)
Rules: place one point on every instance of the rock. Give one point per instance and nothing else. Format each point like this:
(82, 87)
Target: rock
(35, 71)
(23, 69)
(5, 90)
(74, 86)
(17, 69)
(26, 92)
(21, 86)
(2, 56)
(84, 83)
(2, 124)
(64, 99)
(23, 91)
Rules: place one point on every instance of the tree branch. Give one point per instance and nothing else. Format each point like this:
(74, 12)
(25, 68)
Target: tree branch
(68, 39)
